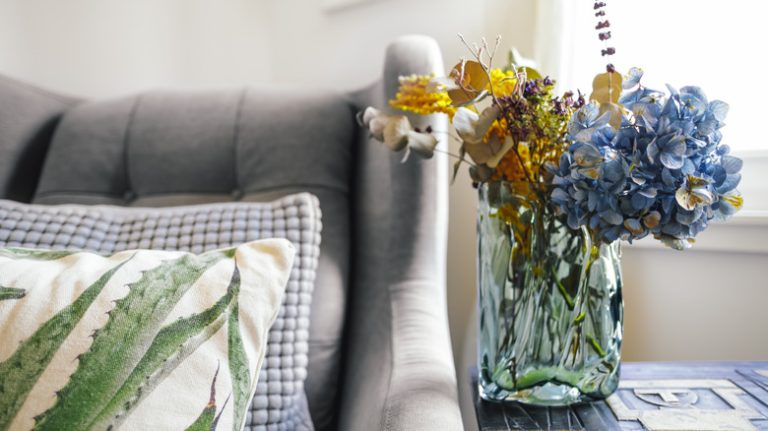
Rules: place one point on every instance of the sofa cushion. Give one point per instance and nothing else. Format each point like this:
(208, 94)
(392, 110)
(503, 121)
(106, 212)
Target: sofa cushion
(280, 398)
(165, 148)
(141, 339)
(28, 117)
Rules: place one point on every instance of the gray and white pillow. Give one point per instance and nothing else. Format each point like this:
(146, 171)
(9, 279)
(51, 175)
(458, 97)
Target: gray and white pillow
(279, 402)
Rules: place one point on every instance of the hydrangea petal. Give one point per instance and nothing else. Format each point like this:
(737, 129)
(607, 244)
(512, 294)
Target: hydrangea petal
(632, 78)
(671, 161)
(573, 221)
(652, 151)
(719, 110)
(731, 164)
(667, 178)
(728, 205)
(638, 201)
(633, 225)
(559, 196)
(730, 183)
(694, 91)
(690, 198)
(687, 218)
(587, 156)
(611, 234)
(612, 217)
(652, 219)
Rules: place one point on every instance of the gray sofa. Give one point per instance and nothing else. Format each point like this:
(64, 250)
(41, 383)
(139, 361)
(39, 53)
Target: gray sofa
(379, 352)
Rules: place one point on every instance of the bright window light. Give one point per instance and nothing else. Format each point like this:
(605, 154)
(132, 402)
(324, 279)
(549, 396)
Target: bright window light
(719, 46)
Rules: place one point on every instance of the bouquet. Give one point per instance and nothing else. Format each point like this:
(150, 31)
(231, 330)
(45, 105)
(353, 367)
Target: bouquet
(627, 162)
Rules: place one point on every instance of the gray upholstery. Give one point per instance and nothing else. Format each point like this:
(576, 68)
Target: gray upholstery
(379, 349)
(160, 149)
(28, 117)
(399, 348)
(279, 401)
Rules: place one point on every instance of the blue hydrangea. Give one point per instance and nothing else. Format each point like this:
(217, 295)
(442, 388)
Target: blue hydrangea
(663, 173)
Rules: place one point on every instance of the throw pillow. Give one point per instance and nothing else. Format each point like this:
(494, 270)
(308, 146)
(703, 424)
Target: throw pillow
(136, 340)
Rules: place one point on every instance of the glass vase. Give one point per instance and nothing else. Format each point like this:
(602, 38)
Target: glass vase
(549, 301)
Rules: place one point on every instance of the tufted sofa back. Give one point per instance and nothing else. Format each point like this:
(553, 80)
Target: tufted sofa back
(163, 149)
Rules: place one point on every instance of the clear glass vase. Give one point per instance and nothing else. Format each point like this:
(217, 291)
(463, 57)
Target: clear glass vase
(549, 301)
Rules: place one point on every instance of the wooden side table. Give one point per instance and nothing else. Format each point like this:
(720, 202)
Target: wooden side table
(701, 396)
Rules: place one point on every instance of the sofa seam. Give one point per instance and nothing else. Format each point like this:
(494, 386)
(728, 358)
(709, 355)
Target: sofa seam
(126, 144)
(236, 137)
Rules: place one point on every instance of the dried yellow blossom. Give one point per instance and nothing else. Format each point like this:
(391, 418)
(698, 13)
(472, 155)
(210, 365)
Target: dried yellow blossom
(498, 128)
(503, 82)
(413, 96)
(510, 168)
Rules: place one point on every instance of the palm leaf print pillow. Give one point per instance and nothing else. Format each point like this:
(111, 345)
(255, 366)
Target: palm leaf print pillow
(137, 340)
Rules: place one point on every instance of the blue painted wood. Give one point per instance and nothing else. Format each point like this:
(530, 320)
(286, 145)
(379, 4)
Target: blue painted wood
(650, 394)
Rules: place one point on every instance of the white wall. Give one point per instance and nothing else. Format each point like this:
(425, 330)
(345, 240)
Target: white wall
(96, 48)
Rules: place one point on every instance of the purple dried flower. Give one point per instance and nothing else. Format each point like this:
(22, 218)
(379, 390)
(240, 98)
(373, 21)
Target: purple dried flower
(603, 24)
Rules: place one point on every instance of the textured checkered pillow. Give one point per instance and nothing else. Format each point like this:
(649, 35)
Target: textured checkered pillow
(279, 402)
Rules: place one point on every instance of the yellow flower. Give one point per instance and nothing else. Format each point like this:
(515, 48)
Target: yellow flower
(510, 168)
(413, 96)
(503, 82)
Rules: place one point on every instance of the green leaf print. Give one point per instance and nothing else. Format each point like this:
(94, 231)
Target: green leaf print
(19, 373)
(119, 346)
(11, 293)
(238, 369)
(173, 344)
(208, 419)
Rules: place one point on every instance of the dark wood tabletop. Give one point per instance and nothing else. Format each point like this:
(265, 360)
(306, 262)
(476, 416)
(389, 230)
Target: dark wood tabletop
(668, 396)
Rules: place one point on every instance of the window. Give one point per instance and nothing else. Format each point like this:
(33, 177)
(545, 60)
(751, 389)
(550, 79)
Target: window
(712, 44)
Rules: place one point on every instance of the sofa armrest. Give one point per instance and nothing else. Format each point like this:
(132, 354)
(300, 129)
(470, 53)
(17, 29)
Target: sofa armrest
(398, 371)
